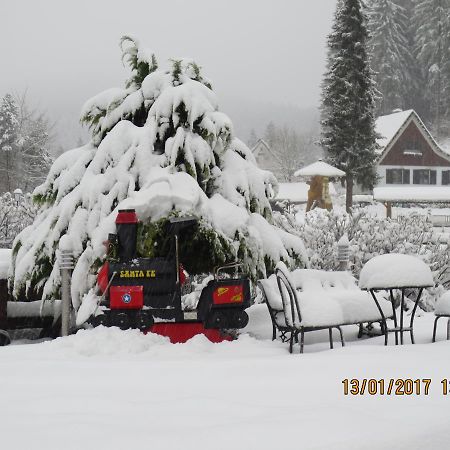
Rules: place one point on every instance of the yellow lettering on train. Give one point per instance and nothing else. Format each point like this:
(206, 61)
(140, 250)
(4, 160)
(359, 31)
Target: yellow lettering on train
(137, 274)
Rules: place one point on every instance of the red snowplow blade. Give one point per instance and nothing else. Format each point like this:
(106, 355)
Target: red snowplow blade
(179, 333)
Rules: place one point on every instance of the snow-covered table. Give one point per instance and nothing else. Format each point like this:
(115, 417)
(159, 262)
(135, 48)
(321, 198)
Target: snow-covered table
(396, 272)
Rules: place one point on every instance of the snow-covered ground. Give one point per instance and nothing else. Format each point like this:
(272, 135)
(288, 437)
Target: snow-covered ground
(109, 389)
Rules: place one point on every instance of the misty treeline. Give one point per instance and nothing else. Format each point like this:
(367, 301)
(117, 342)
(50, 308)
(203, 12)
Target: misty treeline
(291, 149)
(410, 55)
(25, 140)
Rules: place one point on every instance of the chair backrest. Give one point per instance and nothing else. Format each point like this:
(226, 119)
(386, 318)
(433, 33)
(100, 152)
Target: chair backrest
(272, 311)
(289, 298)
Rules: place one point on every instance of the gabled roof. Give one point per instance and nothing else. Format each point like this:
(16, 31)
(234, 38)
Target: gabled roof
(391, 127)
(260, 144)
(388, 126)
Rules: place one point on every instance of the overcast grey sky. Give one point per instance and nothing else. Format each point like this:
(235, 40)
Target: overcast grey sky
(262, 56)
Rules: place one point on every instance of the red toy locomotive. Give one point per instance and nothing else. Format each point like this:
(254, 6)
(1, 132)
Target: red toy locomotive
(145, 293)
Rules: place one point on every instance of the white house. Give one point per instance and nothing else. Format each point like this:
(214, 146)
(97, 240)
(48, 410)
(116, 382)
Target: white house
(409, 155)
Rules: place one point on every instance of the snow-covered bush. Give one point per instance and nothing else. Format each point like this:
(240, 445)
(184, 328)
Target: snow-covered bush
(370, 236)
(15, 215)
(159, 145)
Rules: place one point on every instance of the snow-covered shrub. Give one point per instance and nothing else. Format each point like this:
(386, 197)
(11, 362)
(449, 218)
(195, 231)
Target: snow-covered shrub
(159, 145)
(370, 236)
(15, 215)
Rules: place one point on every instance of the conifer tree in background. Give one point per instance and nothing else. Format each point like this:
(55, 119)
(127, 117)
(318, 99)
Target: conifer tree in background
(390, 54)
(348, 100)
(431, 20)
(35, 158)
(9, 143)
(159, 145)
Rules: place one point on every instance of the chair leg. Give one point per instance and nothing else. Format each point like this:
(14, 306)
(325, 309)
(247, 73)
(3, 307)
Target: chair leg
(342, 336)
(291, 341)
(330, 335)
(384, 330)
(448, 329)
(435, 327)
(274, 332)
(360, 331)
(302, 340)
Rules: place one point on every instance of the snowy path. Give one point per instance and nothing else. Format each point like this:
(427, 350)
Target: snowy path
(106, 389)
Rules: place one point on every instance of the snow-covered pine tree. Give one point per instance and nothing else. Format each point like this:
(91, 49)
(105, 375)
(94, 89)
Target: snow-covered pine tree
(9, 143)
(160, 145)
(391, 58)
(348, 92)
(432, 49)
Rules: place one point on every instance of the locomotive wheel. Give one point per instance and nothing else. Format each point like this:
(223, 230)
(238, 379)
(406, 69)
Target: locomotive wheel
(101, 319)
(121, 320)
(144, 320)
(239, 319)
(218, 320)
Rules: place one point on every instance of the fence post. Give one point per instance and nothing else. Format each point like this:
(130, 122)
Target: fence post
(343, 252)
(65, 265)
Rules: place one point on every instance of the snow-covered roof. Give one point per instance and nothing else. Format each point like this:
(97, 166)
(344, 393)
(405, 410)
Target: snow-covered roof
(445, 145)
(391, 126)
(395, 271)
(388, 126)
(261, 144)
(297, 192)
(320, 168)
(412, 194)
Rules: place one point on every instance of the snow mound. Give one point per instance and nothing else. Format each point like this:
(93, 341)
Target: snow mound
(395, 271)
(108, 341)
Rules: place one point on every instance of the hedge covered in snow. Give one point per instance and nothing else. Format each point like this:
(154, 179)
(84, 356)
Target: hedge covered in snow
(370, 236)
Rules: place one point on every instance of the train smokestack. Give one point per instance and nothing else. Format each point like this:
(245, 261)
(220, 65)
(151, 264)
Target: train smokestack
(126, 224)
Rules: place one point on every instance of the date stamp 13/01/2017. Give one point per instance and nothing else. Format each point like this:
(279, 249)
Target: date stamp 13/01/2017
(392, 386)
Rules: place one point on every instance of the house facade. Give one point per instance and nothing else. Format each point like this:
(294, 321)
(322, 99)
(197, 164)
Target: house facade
(408, 154)
(265, 157)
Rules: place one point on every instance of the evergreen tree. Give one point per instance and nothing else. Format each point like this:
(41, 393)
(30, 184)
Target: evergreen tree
(348, 133)
(9, 143)
(159, 145)
(35, 154)
(253, 139)
(431, 21)
(391, 58)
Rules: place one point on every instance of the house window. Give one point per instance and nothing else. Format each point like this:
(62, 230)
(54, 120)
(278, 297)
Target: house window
(397, 176)
(424, 176)
(413, 147)
(446, 177)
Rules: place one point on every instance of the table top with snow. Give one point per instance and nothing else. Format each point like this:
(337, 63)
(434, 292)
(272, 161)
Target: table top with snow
(394, 270)
(319, 168)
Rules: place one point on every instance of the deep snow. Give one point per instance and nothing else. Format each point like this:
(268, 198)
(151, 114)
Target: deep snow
(108, 389)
